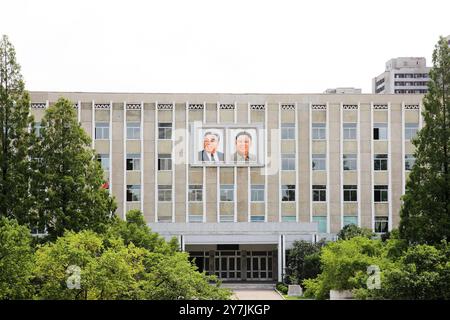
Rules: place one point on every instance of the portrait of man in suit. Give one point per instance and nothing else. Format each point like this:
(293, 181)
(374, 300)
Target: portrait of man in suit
(210, 151)
(243, 142)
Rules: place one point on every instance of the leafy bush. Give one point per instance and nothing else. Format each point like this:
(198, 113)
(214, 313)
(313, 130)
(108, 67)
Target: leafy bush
(282, 288)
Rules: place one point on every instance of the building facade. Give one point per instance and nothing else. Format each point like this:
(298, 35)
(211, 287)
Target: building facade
(313, 163)
(406, 75)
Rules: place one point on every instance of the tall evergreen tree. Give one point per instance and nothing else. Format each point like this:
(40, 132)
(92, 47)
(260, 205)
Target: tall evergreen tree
(68, 186)
(425, 214)
(14, 137)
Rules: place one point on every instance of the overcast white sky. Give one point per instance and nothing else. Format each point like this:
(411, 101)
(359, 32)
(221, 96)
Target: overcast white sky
(216, 46)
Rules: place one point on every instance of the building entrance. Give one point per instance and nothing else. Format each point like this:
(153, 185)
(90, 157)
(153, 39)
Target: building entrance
(236, 265)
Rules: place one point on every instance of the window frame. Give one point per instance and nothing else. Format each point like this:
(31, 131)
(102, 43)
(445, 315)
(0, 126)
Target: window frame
(347, 130)
(380, 162)
(166, 127)
(317, 130)
(129, 191)
(289, 160)
(321, 191)
(319, 158)
(162, 159)
(100, 128)
(288, 131)
(134, 159)
(164, 190)
(289, 191)
(133, 126)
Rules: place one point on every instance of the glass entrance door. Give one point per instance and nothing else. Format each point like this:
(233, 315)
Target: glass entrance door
(228, 265)
(259, 265)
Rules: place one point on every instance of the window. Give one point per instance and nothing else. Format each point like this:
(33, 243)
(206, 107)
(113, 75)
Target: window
(319, 193)
(380, 131)
(38, 129)
(195, 192)
(101, 130)
(257, 219)
(287, 161)
(133, 161)
(349, 162)
(164, 192)
(322, 221)
(226, 218)
(411, 130)
(288, 192)
(288, 219)
(257, 192)
(381, 224)
(350, 220)
(319, 162)
(226, 192)
(288, 131)
(381, 193)
(349, 131)
(133, 130)
(164, 162)
(409, 161)
(104, 161)
(350, 193)
(133, 192)
(195, 218)
(165, 130)
(319, 131)
(380, 162)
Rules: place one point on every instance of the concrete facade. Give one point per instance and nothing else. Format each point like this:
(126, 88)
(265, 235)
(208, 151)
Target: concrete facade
(405, 75)
(202, 224)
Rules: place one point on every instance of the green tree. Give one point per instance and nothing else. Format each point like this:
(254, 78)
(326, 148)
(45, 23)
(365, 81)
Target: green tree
(425, 213)
(303, 261)
(422, 272)
(105, 267)
(344, 266)
(68, 180)
(350, 231)
(14, 137)
(135, 230)
(16, 260)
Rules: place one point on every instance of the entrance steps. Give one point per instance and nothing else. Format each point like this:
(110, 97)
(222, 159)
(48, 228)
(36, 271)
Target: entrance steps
(249, 285)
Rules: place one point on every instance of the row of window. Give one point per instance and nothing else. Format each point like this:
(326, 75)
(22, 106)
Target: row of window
(318, 131)
(381, 223)
(411, 83)
(417, 91)
(411, 75)
(349, 162)
(319, 193)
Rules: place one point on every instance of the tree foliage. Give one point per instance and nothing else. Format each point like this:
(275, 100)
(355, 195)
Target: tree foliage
(303, 261)
(68, 180)
(14, 137)
(344, 264)
(350, 231)
(110, 269)
(16, 260)
(425, 213)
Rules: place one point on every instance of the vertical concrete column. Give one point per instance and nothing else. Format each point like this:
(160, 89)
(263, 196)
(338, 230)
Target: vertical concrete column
(212, 266)
(274, 264)
(243, 265)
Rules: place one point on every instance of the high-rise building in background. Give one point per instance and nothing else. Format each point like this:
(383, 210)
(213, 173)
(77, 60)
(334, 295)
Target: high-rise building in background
(405, 75)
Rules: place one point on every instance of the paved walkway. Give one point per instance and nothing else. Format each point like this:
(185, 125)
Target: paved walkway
(256, 295)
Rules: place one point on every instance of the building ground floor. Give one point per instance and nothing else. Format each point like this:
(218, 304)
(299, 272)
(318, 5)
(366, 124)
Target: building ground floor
(247, 252)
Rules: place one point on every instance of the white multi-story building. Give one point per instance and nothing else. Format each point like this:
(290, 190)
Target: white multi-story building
(314, 163)
(406, 75)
